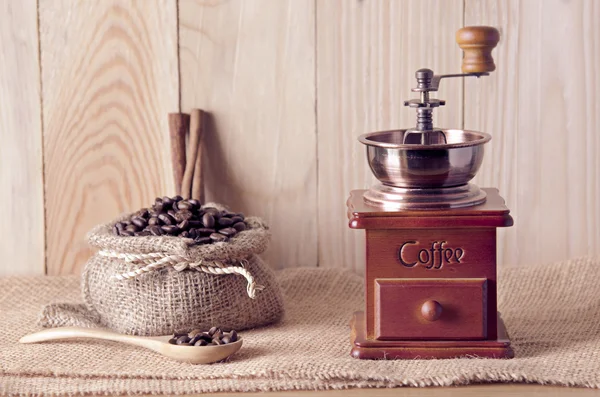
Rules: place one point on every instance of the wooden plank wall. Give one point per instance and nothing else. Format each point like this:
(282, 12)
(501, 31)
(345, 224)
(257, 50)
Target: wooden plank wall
(542, 108)
(290, 84)
(109, 78)
(21, 169)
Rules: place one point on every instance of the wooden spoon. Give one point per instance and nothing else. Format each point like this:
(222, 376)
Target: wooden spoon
(159, 344)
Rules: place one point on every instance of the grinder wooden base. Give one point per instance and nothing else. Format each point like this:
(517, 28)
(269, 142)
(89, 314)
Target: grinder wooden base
(372, 349)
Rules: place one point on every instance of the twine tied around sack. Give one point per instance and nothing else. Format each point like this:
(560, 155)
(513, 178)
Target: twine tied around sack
(156, 260)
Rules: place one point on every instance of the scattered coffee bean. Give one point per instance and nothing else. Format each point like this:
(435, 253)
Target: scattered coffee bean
(183, 339)
(184, 218)
(212, 331)
(196, 337)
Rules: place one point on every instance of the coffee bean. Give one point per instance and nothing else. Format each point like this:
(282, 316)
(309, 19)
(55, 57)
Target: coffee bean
(233, 336)
(182, 215)
(218, 334)
(167, 202)
(173, 340)
(217, 237)
(225, 222)
(216, 341)
(228, 231)
(143, 213)
(203, 240)
(240, 215)
(170, 229)
(203, 231)
(240, 226)
(139, 222)
(185, 218)
(156, 230)
(194, 332)
(212, 331)
(208, 220)
(184, 205)
(183, 339)
(201, 342)
(226, 340)
(166, 219)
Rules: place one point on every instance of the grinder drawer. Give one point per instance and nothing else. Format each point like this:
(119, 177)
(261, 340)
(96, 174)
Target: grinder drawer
(430, 308)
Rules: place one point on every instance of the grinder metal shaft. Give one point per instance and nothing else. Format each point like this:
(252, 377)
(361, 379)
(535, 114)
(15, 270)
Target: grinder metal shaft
(477, 43)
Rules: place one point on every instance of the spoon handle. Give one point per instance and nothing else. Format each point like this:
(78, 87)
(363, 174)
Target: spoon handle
(76, 333)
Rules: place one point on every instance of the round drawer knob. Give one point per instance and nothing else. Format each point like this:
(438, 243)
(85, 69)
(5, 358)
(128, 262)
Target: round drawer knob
(431, 310)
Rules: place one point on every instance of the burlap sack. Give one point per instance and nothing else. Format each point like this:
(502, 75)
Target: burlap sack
(158, 284)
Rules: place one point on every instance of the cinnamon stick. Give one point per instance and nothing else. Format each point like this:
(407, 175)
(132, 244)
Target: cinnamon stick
(198, 121)
(178, 128)
(192, 153)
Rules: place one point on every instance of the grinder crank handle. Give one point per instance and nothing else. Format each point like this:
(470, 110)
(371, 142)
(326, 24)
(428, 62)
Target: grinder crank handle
(477, 42)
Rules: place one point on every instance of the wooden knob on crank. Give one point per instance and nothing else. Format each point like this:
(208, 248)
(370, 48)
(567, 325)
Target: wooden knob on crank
(431, 310)
(477, 43)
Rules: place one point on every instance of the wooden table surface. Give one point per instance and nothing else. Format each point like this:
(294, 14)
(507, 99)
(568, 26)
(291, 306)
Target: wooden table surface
(466, 391)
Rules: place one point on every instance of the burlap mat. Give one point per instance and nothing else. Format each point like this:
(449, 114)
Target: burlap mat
(552, 313)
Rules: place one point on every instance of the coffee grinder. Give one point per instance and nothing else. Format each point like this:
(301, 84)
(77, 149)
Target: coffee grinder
(430, 234)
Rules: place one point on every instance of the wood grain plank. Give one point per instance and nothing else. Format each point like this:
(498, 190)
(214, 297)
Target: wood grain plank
(109, 78)
(542, 109)
(367, 54)
(21, 171)
(250, 64)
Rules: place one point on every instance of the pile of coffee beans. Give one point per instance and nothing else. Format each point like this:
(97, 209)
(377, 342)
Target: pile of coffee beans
(197, 337)
(175, 216)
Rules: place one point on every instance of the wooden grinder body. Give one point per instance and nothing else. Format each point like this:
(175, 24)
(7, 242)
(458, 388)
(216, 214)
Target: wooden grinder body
(430, 281)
